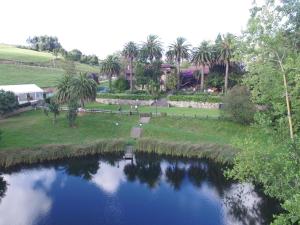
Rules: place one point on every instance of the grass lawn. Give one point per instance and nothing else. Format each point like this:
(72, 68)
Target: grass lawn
(170, 111)
(10, 52)
(34, 128)
(20, 74)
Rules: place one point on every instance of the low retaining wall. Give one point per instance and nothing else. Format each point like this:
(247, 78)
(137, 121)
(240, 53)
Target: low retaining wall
(197, 105)
(18, 111)
(124, 101)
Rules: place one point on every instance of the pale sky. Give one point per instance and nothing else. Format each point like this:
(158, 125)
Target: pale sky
(102, 27)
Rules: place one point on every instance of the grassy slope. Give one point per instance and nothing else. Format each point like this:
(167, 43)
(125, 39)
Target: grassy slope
(42, 76)
(34, 128)
(170, 111)
(24, 55)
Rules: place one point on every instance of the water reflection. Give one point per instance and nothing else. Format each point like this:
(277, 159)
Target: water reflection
(26, 199)
(107, 186)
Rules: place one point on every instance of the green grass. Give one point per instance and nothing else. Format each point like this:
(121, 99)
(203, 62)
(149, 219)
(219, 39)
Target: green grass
(37, 67)
(170, 111)
(10, 52)
(34, 128)
(20, 74)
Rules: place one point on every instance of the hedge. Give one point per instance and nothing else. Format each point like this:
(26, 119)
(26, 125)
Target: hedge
(196, 98)
(125, 96)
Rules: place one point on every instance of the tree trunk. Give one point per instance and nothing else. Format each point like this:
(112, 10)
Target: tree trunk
(109, 82)
(82, 103)
(178, 74)
(226, 77)
(202, 78)
(131, 85)
(286, 98)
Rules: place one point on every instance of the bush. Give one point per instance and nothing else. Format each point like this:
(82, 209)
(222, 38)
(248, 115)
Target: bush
(196, 98)
(121, 84)
(126, 96)
(8, 102)
(238, 106)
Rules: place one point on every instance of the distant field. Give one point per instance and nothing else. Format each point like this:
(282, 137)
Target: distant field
(18, 74)
(17, 54)
(42, 73)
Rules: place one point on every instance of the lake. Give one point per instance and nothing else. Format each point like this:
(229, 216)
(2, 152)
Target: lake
(108, 190)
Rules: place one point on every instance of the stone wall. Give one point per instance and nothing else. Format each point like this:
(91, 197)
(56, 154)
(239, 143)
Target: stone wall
(186, 104)
(18, 111)
(125, 102)
(197, 105)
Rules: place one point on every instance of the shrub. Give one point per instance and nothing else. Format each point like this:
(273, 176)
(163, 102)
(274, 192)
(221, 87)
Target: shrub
(8, 102)
(238, 106)
(72, 112)
(125, 96)
(121, 84)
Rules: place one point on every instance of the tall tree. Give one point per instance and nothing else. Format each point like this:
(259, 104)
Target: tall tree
(84, 88)
(201, 56)
(64, 88)
(131, 52)
(111, 66)
(179, 50)
(226, 50)
(151, 49)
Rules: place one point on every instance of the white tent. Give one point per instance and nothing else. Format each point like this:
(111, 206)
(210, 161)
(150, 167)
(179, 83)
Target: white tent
(25, 92)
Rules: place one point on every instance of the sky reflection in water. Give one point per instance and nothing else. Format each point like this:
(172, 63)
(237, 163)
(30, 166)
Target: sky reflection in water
(111, 191)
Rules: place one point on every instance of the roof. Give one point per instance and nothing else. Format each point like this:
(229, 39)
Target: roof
(21, 88)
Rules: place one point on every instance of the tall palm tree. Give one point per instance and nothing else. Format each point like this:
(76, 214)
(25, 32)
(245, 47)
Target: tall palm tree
(131, 52)
(111, 66)
(152, 48)
(226, 50)
(179, 50)
(83, 88)
(201, 56)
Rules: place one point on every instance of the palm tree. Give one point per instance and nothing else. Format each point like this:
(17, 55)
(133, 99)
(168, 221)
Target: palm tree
(130, 51)
(111, 66)
(179, 50)
(83, 88)
(201, 56)
(152, 48)
(64, 89)
(226, 50)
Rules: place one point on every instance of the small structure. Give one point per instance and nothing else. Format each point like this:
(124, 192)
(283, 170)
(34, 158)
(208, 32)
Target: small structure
(25, 92)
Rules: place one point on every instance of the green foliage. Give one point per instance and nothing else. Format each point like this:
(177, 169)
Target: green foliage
(238, 106)
(52, 107)
(171, 81)
(111, 66)
(74, 55)
(72, 112)
(126, 96)
(121, 84)
(44, 43)
(151, 49)
(8, 102)
(196, 98)
(1, 132)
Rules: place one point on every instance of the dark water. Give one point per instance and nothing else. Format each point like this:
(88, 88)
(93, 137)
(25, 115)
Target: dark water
(108, 190)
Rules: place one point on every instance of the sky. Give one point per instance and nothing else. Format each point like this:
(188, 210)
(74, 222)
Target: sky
(102, 27)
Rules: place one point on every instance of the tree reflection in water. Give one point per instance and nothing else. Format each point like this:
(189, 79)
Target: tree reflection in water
(3, 187)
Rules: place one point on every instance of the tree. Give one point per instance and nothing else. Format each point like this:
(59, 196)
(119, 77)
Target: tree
(111, 66)
(238, 106)
(179, 50)
(64, 89)
(201, 56)
(72, 111)
(151, 49)
(44, 43)
(130, 51)
(8, 102)
(75, 55)
(52, 107)
(83, 88)
(226, 51)
(121, 84)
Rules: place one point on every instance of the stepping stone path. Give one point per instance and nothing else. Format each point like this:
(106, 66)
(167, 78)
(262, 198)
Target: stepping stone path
(144, 119)
(136, 132)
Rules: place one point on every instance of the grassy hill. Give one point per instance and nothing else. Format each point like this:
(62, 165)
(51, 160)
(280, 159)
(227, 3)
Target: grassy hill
(21, 66)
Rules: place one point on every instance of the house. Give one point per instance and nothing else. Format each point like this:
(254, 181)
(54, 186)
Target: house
(25, 92)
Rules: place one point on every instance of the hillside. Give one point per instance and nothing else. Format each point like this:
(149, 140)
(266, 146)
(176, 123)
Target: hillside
(20, 66)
